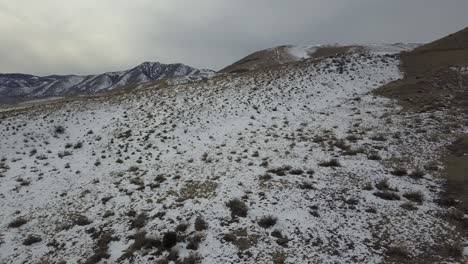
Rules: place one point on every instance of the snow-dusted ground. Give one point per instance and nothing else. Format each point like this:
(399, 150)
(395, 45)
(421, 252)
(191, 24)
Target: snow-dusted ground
(168, 156)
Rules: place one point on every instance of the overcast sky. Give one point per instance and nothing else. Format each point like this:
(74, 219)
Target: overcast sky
(93, 36)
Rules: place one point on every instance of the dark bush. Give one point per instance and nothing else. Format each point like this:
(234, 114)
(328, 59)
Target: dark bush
(296, 172)
(32, 239)
(18, 222)
(81, 220)
(139, 221)
(417, 197)
(267, 221)
(200, 224)
(387, 195)
(59, 130)
(417, 174)
(181, 228)
(374, 156)
(169, 240)
(399, 172)
(237, 207)
(397, 252)
(383, 185)
(330, 163)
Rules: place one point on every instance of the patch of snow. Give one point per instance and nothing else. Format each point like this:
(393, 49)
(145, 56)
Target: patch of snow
(390, 48)
(301, 52)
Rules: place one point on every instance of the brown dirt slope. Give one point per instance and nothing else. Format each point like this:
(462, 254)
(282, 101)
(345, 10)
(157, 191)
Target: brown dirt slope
(260, 59)
(278, 56)
(431, 79)
(457, 171)
(435, 80)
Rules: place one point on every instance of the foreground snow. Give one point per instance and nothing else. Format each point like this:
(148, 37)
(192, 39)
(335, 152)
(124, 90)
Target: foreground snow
(169, 156)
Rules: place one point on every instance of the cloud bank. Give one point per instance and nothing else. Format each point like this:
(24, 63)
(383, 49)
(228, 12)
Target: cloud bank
(88, 36)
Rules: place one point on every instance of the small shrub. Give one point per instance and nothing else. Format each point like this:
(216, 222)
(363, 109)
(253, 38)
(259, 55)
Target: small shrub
(41, 157)
(182, 227)
(59, 130)
(417, 197)
(63, 154)
(352, 138)
(379, 138)
(267, 221)
(409, 206)
(386, 195)
(169, 240)
(354, 152)
(374, 156)
(265, 177)
(383, 185)
(160, 178)
(17, 222)
(397, 252)
(330, 163)
(78, 145)
(279, 171)
(191, 259)
(237, 207)
(341, 144)
(368, 187)
(399, 172)
(139, 221)
(32, 152)
(307, 186)
(133, 169)
(194, 242)
(101, 249)
(431, 167)
(32, 239)
(81, 220)
(454, 250)
(200, 224)
(417, 174)
(296, 172)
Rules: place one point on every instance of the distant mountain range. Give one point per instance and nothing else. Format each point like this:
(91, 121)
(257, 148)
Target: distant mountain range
(18, 87)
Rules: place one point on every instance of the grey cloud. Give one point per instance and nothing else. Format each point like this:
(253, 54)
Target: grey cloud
(88, 36)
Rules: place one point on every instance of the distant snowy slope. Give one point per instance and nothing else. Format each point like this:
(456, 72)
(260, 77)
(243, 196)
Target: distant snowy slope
(22, 87)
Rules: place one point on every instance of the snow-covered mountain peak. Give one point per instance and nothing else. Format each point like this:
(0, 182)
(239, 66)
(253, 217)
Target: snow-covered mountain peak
(23, 87)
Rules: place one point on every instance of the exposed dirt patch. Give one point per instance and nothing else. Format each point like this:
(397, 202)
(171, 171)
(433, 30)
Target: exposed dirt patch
(456, 168)
(433, 76)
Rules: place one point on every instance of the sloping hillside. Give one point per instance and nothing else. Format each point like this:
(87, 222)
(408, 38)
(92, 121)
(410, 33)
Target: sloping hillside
(435, 75)
(436, 80)
(289, 54)
(298, 163)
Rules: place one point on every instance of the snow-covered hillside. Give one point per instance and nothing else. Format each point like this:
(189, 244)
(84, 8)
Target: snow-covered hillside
(22, 87)
(296, 164)
(292, 53)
